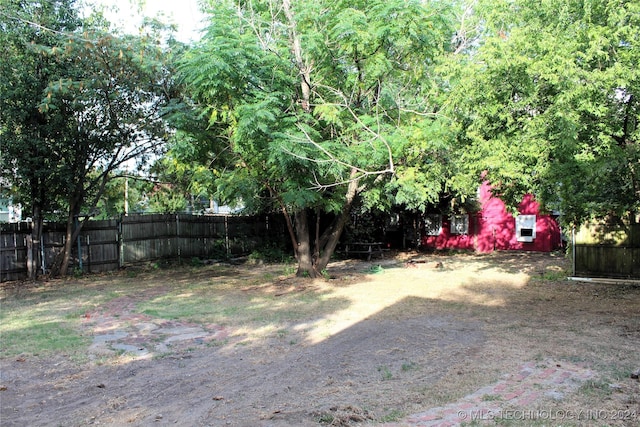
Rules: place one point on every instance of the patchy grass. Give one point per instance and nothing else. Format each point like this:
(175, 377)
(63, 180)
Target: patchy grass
(46, 319)
(489, 314)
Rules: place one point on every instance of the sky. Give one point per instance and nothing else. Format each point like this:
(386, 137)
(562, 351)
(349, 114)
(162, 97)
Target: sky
(184, 13)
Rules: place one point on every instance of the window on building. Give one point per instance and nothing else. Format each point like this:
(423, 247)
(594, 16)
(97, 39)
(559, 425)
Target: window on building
(459, 224)
(432, 224)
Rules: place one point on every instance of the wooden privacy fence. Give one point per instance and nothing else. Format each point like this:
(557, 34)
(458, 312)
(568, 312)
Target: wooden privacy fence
(112, 244)
(618, 262)
(602, 250)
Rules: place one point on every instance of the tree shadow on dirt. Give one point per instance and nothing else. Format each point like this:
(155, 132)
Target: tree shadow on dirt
(361, 373)
(381, 367)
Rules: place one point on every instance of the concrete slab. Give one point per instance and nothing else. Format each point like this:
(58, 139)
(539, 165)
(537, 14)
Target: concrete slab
(113, 336)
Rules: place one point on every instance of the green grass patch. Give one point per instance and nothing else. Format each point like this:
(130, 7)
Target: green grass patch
(44, 319)
(326, 419)
(490, 397)
(187, 307)
(227, 305)
(41, 324)
(385, 372)
(410, 366)
(35, 338)
(392, 416)
(552, 275)
(595, 388)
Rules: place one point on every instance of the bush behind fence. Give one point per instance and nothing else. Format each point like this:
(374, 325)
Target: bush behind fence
(112, 244)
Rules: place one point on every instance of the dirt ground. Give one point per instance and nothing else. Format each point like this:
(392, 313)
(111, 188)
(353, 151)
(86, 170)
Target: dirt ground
(411, 339)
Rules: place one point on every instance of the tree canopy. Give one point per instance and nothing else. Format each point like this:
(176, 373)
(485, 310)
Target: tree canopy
(78, 101)
(547, 102)
(316, 105)
(317, 108)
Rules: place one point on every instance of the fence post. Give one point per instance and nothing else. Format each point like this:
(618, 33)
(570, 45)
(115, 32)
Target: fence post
(88, 252)
(120, 241)
(573, 250)
(226, 235)
(43, 260)
(178, 243)
(31, 274)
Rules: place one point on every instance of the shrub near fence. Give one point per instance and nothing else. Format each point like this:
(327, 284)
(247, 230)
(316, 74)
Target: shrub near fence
(112, 244)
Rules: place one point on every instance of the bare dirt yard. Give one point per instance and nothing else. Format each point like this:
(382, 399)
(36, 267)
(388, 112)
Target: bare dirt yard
(408, 340)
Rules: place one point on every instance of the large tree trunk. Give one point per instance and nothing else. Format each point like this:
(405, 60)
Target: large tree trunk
(74, 225)
(61, 264)
(330, 238)
(33, 244)
(68, 245)
(314, 254)
(303, 249)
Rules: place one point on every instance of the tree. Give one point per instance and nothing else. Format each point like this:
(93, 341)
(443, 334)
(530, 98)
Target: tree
(312, 106)
(124, 193)
(182, 183)
(547, 102)
(28, 159)
(96, 103)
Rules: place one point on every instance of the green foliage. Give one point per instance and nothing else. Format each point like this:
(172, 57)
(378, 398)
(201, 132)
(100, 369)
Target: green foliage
(29, 156)
(78, 102)
(375, 269)
(270, 253)
(81, 99)
(548, 103)
(196, 262)
(111, 204)
(163, 199)
(363, 63)
(296, 103)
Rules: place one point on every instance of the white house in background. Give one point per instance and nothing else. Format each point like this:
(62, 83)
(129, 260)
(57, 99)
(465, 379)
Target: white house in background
(8, 211)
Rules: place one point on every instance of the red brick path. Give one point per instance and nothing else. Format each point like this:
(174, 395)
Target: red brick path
(513, 398)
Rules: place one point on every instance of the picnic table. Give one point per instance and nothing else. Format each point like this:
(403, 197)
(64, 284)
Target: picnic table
(368, 248)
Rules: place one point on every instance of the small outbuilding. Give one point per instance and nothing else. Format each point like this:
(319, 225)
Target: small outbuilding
(493, 227)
